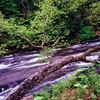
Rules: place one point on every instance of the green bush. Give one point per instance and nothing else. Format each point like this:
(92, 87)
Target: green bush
(78, 84)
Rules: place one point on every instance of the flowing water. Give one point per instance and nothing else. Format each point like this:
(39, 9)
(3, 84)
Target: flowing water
(16, 67)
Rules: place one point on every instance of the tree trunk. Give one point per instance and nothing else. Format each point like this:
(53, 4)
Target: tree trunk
(19, 91)
(24, 8)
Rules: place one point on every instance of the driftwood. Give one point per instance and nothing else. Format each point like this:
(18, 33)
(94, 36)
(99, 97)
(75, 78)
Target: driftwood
(19, 91)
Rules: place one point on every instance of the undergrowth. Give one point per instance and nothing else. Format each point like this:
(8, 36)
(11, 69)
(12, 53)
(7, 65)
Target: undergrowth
(82, 85)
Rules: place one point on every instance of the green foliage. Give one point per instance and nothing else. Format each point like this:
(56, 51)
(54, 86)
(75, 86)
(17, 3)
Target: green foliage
(85, 32)
(50, 23)
(93, 96)
(9, 7)
(75, 4)
(79, 20)
(14, 8)
(10, 33)
(78, 84)
(45, 94)
(55, 90)
(39, 98)
(3, 50)
(38, 32)
(94, 14)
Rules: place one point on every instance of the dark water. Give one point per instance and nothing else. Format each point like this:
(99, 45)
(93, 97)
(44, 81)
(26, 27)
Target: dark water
(16, 67)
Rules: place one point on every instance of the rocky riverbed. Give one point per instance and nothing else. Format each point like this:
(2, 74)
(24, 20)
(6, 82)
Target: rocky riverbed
(16, 67)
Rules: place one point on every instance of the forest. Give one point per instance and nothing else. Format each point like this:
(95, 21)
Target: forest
(44, 25)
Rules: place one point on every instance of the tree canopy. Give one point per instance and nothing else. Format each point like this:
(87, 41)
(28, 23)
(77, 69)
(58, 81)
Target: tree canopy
(46, 23)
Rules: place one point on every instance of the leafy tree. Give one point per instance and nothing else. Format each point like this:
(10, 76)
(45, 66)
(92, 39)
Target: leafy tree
(51, 23)
(78, 12)
(94, 15)
(17, 8)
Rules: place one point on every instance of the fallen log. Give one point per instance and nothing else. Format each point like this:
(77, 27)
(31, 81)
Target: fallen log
(20, 90)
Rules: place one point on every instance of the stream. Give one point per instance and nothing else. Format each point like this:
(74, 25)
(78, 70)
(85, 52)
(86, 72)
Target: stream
(14, 68)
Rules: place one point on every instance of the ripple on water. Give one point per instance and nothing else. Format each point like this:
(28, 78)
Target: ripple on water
(2, 97)
(3, 66)
(95, 57)
(34, 65)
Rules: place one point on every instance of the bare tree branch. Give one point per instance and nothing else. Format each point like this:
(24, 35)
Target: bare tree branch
(33, 46)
